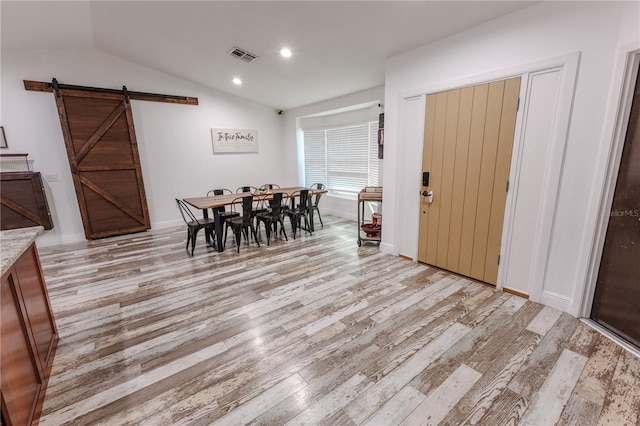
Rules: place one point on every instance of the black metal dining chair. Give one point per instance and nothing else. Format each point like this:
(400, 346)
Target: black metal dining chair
(298, 210)
(242, 223)
(270, 186)
(194, 225)
(255, 191)
(222, 211)
(251, 189)
(271, 217)
(316, 200)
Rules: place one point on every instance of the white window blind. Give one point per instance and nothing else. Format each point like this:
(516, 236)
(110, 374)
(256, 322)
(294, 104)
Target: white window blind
(344, 158)
(315, 157)
(373, 154)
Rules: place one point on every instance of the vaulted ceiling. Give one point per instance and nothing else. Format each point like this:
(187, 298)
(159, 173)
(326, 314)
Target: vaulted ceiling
(339, 47)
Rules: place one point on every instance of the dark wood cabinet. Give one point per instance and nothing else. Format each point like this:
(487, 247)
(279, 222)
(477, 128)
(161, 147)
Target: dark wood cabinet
(23, 201)
(28, 340)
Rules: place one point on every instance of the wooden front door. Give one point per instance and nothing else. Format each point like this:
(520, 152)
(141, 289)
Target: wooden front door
(468, 140)
(103, 155)
(616, 303)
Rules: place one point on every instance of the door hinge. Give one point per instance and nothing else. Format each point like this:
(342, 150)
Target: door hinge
(498, 259)
(507, 189)
(518, 105)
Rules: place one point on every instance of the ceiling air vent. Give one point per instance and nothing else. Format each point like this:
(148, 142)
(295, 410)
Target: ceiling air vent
(242, 54)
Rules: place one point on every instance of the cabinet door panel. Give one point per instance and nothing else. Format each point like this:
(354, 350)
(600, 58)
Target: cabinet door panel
(36, 304)
(20, 382)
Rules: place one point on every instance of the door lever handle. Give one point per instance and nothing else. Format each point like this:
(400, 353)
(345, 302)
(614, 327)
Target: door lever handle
(429, 195)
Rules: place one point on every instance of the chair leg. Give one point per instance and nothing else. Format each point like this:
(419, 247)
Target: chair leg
(238, 233)
(193, 240)
(188, 240)
(258, 228)
(293, 225)
(319, 217)
(306, 223)
(299, 224)
(282, 230)
(267, 227)
(253, 230)
(208, 232)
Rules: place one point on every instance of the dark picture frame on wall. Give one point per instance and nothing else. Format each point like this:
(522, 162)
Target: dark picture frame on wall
(381, 136)
(3, 138)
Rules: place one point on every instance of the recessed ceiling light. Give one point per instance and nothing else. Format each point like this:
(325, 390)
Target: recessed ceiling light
(285, 52)
(237, 81)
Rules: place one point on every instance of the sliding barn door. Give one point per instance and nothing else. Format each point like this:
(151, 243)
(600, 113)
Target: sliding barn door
(467, 151)
(103, 155)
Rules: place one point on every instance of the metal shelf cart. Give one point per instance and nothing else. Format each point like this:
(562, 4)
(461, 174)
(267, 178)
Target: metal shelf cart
(368, 194)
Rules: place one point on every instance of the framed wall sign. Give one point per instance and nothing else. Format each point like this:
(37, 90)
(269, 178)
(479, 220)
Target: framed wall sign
(234, 140)
(3, 138)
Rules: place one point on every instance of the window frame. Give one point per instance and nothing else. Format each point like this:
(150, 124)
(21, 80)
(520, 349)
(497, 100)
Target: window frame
(358, 161)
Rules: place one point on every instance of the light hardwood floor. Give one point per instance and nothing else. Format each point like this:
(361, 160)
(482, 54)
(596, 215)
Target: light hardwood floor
(312, 331)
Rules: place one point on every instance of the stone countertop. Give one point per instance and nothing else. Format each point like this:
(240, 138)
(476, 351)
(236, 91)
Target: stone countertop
(14, 242)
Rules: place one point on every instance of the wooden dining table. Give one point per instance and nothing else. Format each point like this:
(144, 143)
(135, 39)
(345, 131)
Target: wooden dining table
(215, 201)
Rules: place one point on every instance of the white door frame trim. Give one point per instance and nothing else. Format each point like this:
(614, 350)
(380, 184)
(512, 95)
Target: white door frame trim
(413, 189)
(568, 64)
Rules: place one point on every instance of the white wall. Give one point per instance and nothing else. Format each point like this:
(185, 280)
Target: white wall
(174, 140)
(533, 35)
(339, 206)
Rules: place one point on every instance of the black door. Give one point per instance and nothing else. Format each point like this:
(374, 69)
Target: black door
(616, 303)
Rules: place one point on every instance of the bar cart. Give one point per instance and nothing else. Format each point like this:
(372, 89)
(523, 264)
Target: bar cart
(369, 230)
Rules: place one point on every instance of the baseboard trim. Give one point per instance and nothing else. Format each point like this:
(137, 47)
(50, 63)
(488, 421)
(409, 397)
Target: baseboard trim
(339, 213)
(73, 238)
(516, 293)
(387, 248)
(555, 301)
(166, 224)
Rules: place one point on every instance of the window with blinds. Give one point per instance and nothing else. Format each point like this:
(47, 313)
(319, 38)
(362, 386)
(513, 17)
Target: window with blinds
(315, 157)
(344, 158)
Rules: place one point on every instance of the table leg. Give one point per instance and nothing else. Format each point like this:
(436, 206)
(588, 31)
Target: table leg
(205, 214)
(217, 243)
(219, 246)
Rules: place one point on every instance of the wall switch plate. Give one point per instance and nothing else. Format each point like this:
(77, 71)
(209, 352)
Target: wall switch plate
(51, 178)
